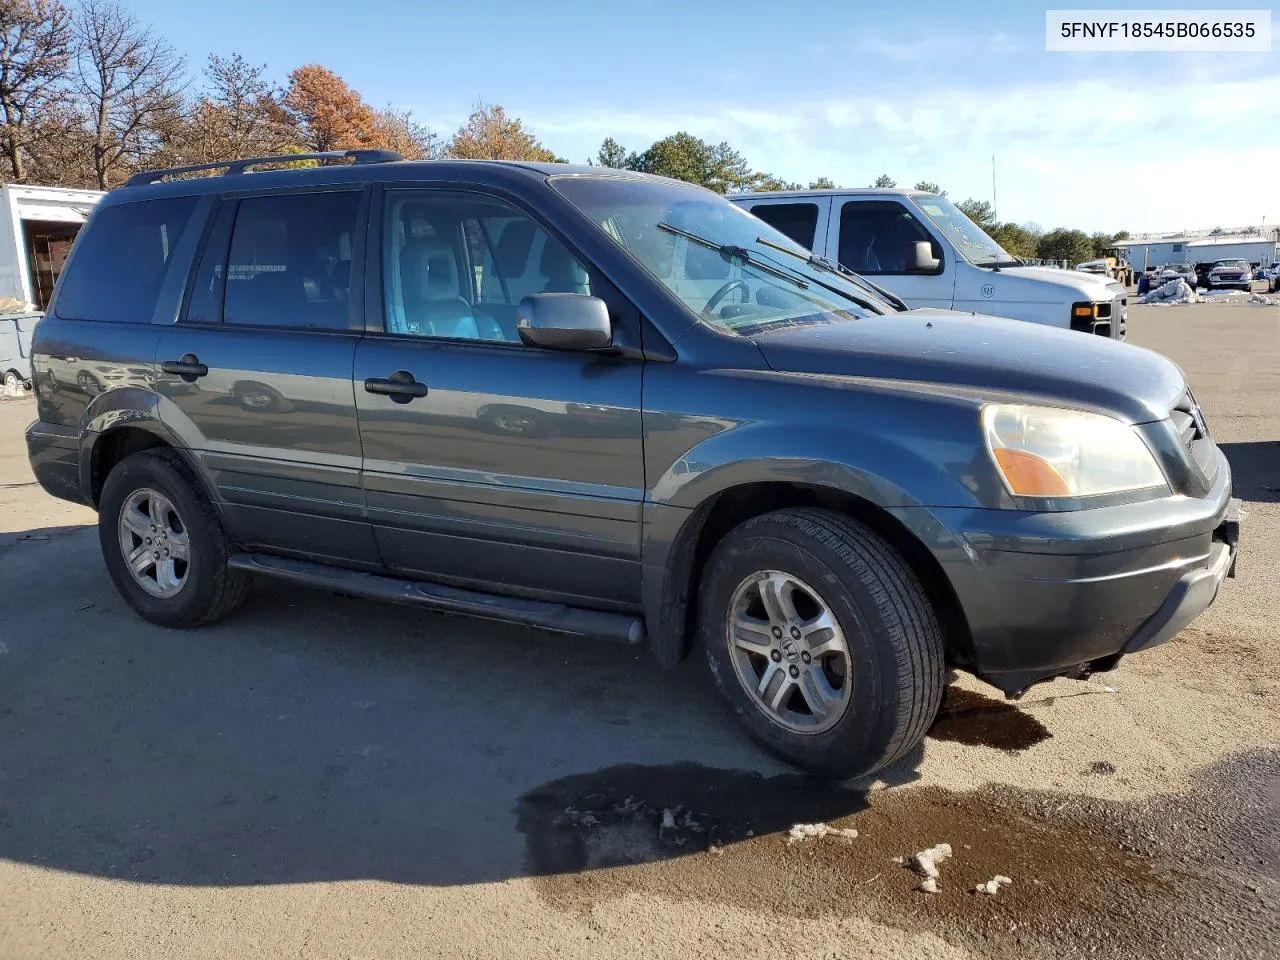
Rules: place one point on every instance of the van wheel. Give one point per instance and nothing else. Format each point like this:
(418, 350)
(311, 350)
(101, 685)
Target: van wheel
(12, 381)
(822, 640)
(163, 543)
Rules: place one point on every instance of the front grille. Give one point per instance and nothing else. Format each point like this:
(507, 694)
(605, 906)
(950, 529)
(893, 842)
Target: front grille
(1188, 420)
(1194, 433)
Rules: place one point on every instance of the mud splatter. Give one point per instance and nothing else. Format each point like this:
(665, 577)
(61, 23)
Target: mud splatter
(968, 717)
(1090, 878)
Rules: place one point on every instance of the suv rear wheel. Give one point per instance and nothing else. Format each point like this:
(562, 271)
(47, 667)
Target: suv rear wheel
(822, 640)
(163, 544)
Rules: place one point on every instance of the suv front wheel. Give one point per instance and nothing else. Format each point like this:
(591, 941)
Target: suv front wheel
(822, 639)
(163, 543)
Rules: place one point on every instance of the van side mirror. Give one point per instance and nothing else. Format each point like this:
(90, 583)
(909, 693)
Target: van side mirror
(922, 258)
(564, 321)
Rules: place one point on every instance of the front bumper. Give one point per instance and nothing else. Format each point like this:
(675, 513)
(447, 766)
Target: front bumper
(1053, 594)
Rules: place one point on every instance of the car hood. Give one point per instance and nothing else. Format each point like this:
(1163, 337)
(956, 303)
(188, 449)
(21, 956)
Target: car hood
(1064, 285)
(986, 356)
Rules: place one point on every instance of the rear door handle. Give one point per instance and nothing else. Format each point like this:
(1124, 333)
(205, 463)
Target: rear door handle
(402, 386)
(189, 368)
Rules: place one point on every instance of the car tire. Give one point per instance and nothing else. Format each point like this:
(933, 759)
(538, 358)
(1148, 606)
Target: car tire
(855, 602)
(12, 382)
(167, 511)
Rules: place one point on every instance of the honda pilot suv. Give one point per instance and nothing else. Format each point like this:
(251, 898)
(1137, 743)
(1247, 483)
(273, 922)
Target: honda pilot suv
(621, 407)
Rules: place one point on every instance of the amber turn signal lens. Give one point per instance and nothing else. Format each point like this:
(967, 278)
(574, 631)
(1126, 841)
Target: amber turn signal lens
(1029, 475)
(1083, 310)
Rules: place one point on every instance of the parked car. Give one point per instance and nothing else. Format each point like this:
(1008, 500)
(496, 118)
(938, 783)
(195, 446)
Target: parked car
(924, 249)
(1202, 273)
(832, 499)
(1274, 279)
(1231, 273)
(1176, 271)
(1098, 267)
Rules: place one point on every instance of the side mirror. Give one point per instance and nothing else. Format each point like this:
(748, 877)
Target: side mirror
(922, 258)
(564, 321)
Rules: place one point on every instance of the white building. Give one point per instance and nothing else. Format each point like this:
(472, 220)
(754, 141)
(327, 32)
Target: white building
(1153, 250)
(37, 225)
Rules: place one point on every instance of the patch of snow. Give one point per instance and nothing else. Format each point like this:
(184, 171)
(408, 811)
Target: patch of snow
(992, 886)
(1175, 291)
(926, 862)
(807, 831)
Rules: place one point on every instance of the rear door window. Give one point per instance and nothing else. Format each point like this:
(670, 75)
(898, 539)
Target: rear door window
(799, 221)
(290, 261)
(119, 262)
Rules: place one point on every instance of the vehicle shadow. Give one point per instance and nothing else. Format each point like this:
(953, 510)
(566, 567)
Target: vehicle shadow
(1255, 469)
(316, 737)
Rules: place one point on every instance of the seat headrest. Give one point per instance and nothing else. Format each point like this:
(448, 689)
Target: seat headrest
(562, 270)
(428, 269)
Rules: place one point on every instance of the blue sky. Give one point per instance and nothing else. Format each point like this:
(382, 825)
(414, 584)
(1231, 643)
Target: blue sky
(922, 90)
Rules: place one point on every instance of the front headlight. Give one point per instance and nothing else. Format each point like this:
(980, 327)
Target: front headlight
(1053, 452)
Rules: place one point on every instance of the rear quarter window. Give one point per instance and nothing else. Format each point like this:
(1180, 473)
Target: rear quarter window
(119, 261)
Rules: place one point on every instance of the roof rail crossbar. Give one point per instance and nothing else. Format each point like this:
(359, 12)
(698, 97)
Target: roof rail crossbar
(240, 166)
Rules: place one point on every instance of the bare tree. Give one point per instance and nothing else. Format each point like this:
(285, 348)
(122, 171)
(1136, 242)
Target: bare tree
(35, 51)
(240, 114)
(130, 82)
(395, 129)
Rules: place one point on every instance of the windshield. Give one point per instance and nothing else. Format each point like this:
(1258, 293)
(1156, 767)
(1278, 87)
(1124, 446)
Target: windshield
(708, 252)
(1232, 264)
(968, 237)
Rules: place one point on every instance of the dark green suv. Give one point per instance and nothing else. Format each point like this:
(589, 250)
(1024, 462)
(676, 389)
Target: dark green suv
(621, 407)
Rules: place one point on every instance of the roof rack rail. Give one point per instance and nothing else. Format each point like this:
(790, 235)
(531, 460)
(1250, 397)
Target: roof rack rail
(240, 166)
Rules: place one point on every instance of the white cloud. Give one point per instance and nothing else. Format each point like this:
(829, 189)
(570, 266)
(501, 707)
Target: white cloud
(1073, 154)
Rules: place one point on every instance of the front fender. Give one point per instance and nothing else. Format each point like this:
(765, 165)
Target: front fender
(888, 472)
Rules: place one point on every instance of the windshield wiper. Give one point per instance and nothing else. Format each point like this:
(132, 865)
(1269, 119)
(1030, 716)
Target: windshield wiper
(832, 266)
(997, 264)
(731, 251)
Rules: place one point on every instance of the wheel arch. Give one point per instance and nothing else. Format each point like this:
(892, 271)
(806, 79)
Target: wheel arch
(671, 614)
(102, 451)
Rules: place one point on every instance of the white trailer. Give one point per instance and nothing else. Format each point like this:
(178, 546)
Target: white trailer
(37, 226)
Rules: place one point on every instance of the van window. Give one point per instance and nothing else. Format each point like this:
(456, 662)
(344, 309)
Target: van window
(799, 221)
(119, 261)
(290, 261)
(877, 237)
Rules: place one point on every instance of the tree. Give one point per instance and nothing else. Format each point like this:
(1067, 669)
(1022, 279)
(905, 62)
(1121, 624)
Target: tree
(129, 82)
(1063, 244)
(329, 115)
(928, 186)
(613, 154)
(979, 211)
(1017, 240)
(1122, 235)
(683, 156)
(767, 181)
(395, 129)
(35, 51)
(489, 134)
(823, 183)
(884, 180)
(240, 114)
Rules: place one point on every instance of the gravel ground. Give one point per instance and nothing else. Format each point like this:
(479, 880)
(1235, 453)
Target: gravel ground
(325, 777)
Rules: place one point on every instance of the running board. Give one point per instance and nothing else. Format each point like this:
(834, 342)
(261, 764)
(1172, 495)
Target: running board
(617, 627)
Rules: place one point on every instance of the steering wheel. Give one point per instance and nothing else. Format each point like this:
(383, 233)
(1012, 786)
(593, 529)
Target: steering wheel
(723, 292)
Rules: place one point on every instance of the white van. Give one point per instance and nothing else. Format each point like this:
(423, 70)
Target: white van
(922, 248)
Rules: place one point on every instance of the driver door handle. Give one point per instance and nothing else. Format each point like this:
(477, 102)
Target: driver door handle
(402, 386)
